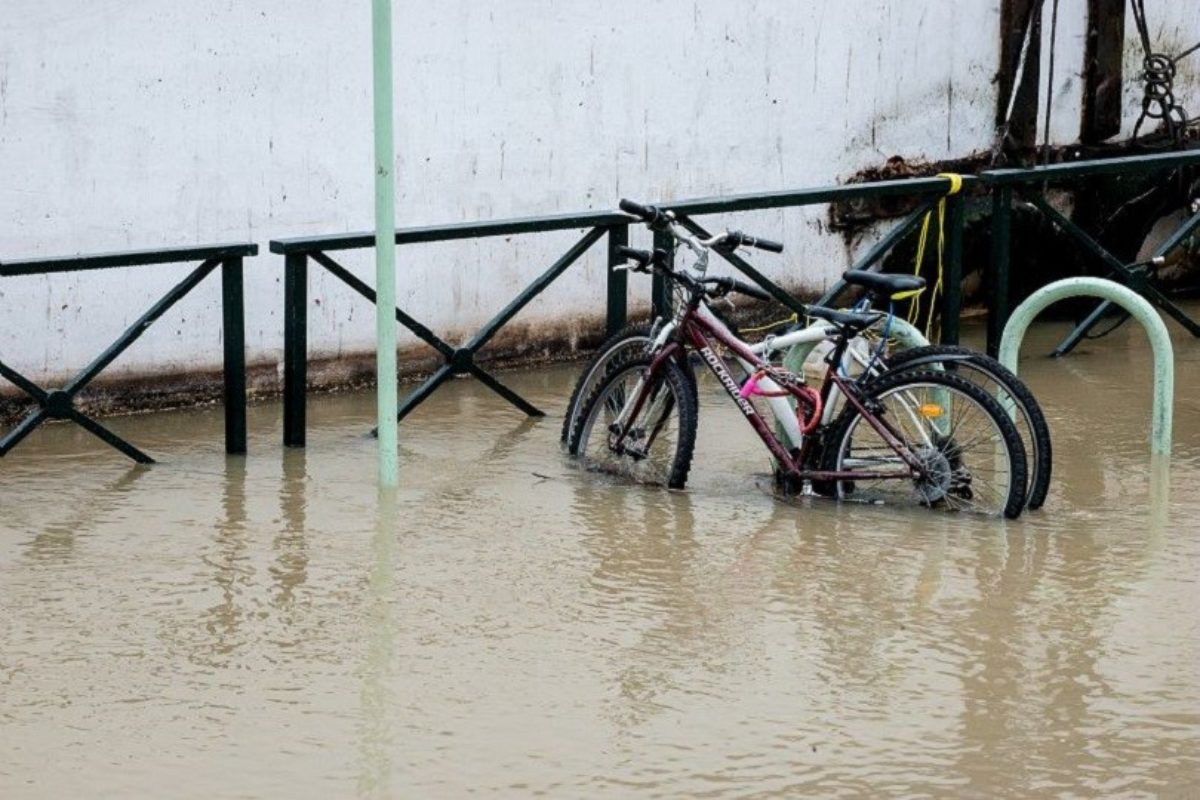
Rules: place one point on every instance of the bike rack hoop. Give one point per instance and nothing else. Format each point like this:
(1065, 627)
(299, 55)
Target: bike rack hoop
(1136, 305)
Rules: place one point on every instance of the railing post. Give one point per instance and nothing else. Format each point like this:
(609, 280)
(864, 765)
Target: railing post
(660, 290)
(952, 290)
(295, 347)
(618, 280)
(998, 301)
(234, 335)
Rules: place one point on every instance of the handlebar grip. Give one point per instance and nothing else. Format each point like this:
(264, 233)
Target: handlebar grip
(751, 291)
(767, 244)
(640, 256)
(637, 209)
(736, 239)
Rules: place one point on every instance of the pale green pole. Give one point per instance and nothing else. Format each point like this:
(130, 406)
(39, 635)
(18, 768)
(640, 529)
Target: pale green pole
(385, 249)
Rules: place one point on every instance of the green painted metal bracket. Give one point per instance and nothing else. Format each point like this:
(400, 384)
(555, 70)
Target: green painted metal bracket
(1131, 301)
(130, 258)
(1083, 169)
(660, 289)
(1081, 330)
(60, 403)
(1119, 269)
(458, 360)
(295, 348)
(1000, 262)
(618, 281)
(956, 221)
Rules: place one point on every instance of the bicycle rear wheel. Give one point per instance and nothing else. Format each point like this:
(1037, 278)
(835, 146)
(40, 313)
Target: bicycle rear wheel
(999, 382)
(661, 432)
(970, 453)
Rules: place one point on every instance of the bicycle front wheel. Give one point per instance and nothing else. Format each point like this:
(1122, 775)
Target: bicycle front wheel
(632, 339)
(969, 453)
(657, 412)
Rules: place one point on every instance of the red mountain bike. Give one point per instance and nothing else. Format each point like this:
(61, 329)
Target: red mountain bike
(924, 437)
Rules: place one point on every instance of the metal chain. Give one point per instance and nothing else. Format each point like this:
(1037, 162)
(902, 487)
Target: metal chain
(1158, 73)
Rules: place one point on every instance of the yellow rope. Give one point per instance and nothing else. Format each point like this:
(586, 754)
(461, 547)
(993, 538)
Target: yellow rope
(793, 318)
(914, 310)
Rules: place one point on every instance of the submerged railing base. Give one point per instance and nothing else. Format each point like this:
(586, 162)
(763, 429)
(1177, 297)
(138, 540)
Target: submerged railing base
(1136, 305)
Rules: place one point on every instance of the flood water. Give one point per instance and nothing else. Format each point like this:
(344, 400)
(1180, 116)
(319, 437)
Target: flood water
(508, 625)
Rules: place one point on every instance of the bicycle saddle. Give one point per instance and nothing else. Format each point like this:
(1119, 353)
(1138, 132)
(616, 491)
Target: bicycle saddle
(883, 284)
(850, 321)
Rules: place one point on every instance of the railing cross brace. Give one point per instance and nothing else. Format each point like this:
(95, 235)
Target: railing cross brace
(60, 403)
(461, 360)
(1138, 279)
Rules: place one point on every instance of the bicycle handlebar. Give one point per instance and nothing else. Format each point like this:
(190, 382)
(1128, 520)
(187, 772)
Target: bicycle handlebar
(738, 239)
(730, 240)
(734, 285)
(650, 215)
(640, 256)
(724, 285)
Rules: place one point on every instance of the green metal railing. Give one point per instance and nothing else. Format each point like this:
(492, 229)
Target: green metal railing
(1030, 185)
(460, 360)
(1004, 186)
(59, 403)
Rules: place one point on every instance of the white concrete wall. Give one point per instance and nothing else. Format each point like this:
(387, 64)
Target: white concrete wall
(142, 123)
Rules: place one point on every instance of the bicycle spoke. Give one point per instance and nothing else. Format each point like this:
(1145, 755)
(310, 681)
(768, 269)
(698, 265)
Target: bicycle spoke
(632, 429)
(947, 425)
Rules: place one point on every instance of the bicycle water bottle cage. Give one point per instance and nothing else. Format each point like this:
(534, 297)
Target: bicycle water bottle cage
(886, 286)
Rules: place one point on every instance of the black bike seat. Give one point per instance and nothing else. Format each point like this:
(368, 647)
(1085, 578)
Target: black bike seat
(883, 284)
(850, 321)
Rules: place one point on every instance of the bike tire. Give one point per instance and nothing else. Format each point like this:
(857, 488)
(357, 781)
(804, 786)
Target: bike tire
(903, 397)
(1031, 422)
(671, 461)
(628, 337)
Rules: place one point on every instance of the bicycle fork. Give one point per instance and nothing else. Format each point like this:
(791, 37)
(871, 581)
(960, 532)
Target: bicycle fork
(621, 427)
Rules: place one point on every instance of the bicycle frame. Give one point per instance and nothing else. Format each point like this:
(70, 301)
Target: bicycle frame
(696, 327)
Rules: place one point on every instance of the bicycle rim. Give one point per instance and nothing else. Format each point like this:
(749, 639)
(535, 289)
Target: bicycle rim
(1009, 391)
(633, 342)
(965, 446)
(654, 447)
(1016, 410)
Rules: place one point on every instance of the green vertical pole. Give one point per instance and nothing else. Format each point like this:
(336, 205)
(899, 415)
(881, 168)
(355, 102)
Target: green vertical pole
(385, 249)
(952, 290)
(233, 330)
(295, 347)
(1001, 253)
(660, 290)
(618, 280)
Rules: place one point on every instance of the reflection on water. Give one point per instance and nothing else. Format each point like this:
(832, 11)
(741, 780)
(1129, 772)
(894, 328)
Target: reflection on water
(507, 624)
(377, 742)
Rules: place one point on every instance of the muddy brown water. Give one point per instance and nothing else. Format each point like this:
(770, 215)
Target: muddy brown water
(510, 626)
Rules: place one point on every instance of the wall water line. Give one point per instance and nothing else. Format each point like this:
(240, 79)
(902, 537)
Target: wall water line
(1139, 308)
